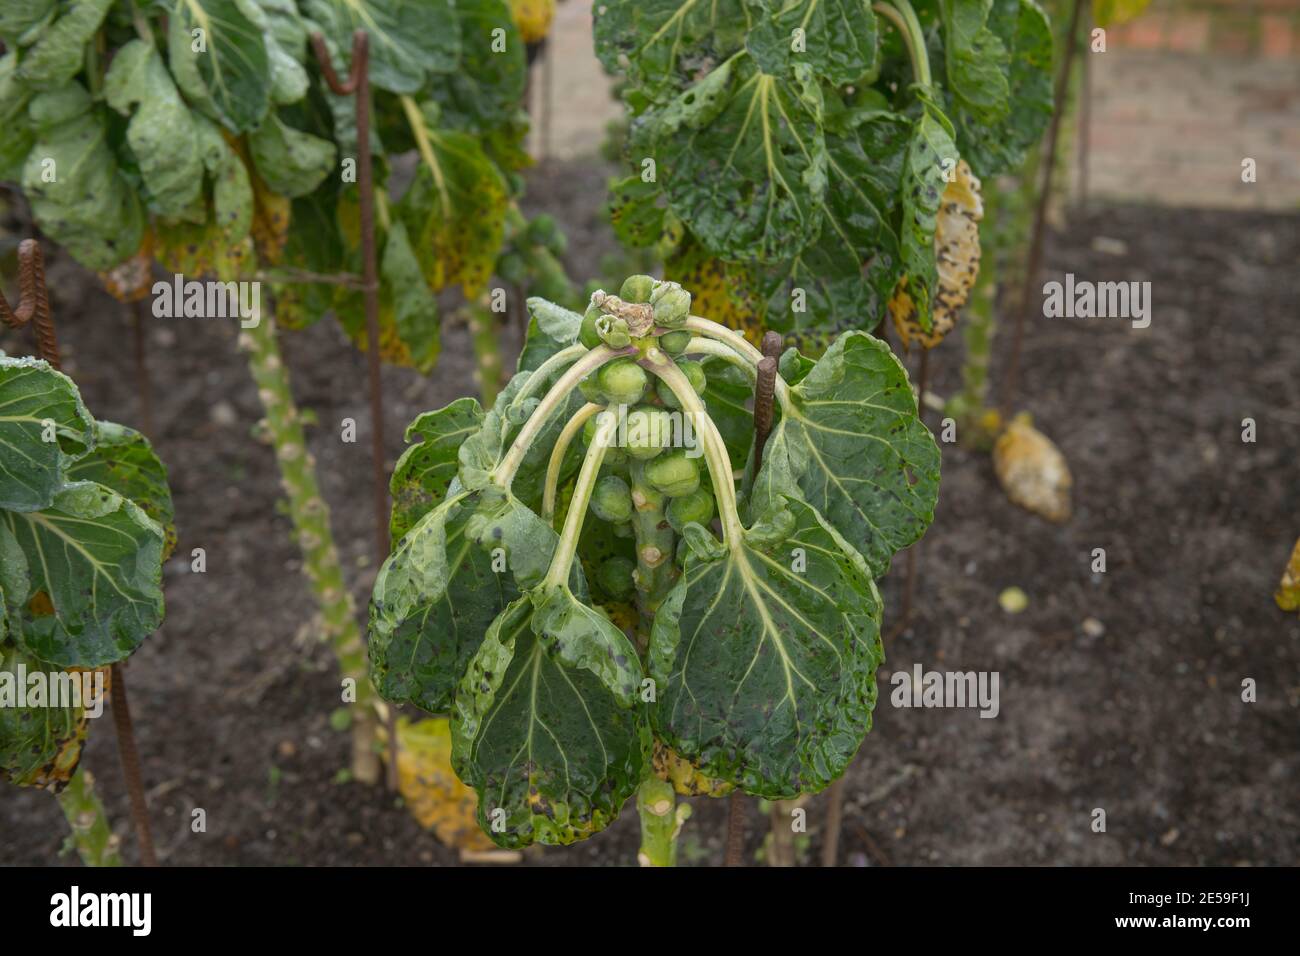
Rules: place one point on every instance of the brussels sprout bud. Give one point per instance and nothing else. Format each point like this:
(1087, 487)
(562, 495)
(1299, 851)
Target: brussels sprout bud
(697, 507)
(587, 334)
(624, 530)
(623, 381)
(672, 304)
(590, 389)
(613, 332)
(614, 576)
(611, 500)
(512, 268)
(673, 473)
(637, 289)
(694, 373)
(675, 342)
(649, 431)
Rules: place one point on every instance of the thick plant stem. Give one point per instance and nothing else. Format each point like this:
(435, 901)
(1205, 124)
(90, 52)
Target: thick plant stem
(487, 353)
(91, 834)
(661, 821)
(656, 572)
(311, 524)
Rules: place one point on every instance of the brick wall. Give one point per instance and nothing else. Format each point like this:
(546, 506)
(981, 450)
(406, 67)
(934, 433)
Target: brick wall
(1265, 28)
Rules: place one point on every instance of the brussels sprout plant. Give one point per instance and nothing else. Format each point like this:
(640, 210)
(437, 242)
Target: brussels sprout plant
(593, 581)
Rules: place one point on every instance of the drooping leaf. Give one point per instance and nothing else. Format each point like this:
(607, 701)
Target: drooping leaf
(993, 147)
(843, 279)
(32, 397)
(17, 140)
(58, 55)
(224, 69)
(409, 41)
(455, 210)
(292, 162)
(582, 637)
(837, 37)
(94, 577)
(486, 88)
(433, 600)
(425, 471)
(161, 134)
(410, 302)
(957, 256)
(765, 657)
(547, 744)
(929, 153)
(976, 59)
(40, 745)
(124, 461)
(851, 440)
(71, 178)
(742, 158)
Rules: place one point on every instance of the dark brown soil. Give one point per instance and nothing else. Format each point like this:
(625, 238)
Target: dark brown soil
(232, 698)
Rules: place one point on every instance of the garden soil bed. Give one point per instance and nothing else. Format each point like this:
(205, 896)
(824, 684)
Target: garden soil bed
(1141, 716)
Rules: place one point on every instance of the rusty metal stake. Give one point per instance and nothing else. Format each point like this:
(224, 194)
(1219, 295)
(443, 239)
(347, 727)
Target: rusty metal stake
(34, 307)
(358, 83)
(764, 395)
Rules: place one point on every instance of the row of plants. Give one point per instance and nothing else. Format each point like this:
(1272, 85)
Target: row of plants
(809, 167)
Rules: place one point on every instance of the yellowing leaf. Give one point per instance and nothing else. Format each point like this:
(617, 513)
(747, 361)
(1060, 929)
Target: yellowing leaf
(533, 18)
(715, 294)
(435, 797)
(130, 281)
(1032, 470)
(1111, 13)
(686, 778)
(1288, 591)
(957, 256)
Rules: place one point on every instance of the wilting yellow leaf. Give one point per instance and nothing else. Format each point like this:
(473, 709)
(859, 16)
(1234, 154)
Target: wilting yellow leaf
(957, 256)
(686, 778)
(715, 294)
(433, 793)
(271, 215)
(1032, 470)
(533, 18)
(1288, 592)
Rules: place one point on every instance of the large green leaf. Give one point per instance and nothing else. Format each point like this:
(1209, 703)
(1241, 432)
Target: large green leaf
(551, 751)
(455, 209)
(764, 656)
(163, 138)
(994, 147)
(976, 59)
(851, 440)
(292, 162)
(124, 461)
(663, 45)
(40, 745)
(847, 275)
(838, 37)
(17, 140)
(93, 576)
(60, 52)
(409, 40)
(426, 470)
(742, 157)
(33, 395)
(486, 88)
(71, 178)
(224, 69)
(434, 598)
